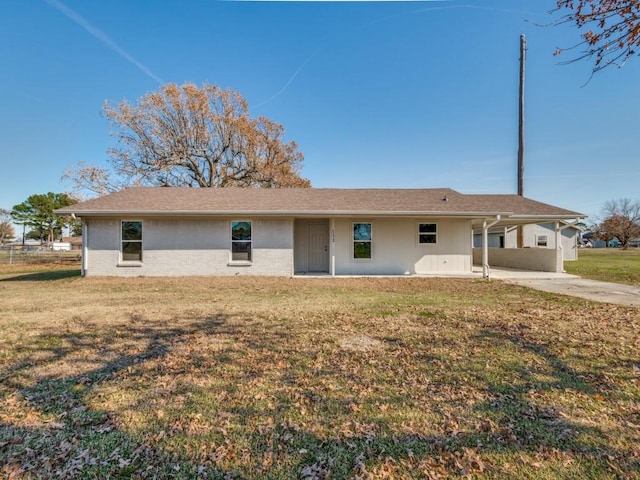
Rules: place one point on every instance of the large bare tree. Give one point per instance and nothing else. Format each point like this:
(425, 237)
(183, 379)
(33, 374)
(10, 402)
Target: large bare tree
(610, 29)
(621, 220)
(195, 137)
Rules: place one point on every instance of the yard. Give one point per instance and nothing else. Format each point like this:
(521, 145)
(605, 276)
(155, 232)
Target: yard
(312, 378)
(607, 264)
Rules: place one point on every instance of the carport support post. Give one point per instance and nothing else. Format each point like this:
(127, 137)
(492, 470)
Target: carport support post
(485, 245)
(485, 250)
(85, 248)
(559, 253)
(332, 245)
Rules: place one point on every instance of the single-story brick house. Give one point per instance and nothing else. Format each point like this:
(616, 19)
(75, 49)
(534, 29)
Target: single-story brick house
(158, 231)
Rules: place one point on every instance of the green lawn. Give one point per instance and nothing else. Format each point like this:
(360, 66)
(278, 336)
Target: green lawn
(607, 264)
(312, 378)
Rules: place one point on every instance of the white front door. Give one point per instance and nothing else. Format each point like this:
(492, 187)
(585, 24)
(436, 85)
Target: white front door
(318, 236)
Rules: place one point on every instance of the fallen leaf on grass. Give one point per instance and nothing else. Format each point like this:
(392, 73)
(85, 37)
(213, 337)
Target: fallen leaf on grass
(12, 471)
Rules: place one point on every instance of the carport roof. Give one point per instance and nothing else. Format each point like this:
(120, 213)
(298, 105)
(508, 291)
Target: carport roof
(436, 202)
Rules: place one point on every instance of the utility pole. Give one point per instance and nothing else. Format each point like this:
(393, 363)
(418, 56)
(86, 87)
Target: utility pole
(523, 58)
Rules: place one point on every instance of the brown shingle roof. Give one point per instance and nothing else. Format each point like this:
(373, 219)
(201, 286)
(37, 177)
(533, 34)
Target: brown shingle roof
(311, 201)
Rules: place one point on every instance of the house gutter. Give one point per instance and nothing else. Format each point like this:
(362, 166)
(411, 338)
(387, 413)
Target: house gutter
(546, 218)
(282, 213)
(485, 245)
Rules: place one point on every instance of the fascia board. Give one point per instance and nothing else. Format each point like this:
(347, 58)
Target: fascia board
(280, 213)
(547, 218)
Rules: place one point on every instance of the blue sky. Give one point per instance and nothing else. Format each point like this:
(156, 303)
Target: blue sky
(376, 94)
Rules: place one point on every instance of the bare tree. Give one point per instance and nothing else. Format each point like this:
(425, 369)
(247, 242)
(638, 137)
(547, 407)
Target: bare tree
(611, 30)
(622, 221)
(195, 137)
(89, 180)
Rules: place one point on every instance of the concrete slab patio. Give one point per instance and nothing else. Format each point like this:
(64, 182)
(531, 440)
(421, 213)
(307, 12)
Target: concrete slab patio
(497, 273)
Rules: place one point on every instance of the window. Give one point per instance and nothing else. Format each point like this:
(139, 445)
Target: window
(427, 233)
(240, 241)
(542, 240)
(362, 241)
(132, 241)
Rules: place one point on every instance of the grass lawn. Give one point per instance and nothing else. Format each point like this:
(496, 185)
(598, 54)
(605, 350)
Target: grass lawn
(313, 379)
(607, 264)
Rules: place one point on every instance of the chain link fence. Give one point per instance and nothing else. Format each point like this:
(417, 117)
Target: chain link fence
(18, 256)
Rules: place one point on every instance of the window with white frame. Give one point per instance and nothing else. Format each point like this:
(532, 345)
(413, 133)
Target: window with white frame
(241, 241)
(542, 240)
(131, 241)
(362, 241)
(427, 233)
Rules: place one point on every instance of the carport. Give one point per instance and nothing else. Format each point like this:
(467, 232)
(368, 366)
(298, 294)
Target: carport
(524, 257)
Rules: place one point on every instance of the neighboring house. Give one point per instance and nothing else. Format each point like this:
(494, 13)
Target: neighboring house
(75, 242)
(542, 235)
(61, 246)
(233, 231)
(589, 239)
(27, 245)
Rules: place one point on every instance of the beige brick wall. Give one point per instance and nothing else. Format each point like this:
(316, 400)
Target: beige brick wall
(396, 250)
(182, 247)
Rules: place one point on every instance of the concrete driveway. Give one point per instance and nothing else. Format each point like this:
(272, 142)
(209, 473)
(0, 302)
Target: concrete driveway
(573, 285)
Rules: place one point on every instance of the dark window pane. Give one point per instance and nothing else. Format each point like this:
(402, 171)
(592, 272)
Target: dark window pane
(428, 228)
(427, 238)
(131, 230)
(362, 231)
(241, 251)
(361, 249)
(240, 230)
(132, 251)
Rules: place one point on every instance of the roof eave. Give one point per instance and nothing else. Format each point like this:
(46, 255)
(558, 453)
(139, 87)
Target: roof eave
(279, 213)
(548, 218)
